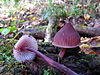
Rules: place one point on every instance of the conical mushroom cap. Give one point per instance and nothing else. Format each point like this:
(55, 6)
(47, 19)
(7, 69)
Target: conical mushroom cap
(22, 55)
(66, 37)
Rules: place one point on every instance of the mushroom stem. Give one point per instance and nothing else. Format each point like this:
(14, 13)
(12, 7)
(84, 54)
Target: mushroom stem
(62, 52)
(51, 62)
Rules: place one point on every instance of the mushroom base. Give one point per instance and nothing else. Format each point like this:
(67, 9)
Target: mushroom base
(62, 52)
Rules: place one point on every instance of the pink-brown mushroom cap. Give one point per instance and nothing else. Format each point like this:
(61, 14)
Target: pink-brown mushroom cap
(20, 53)
(66, 37)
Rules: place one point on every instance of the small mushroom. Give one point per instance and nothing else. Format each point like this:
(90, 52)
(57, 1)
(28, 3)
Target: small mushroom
(26, 48)
(66, 37)
(21, 54)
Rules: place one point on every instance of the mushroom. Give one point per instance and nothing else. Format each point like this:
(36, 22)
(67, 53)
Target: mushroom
(66, 37)
(21, 54)
(26, 48)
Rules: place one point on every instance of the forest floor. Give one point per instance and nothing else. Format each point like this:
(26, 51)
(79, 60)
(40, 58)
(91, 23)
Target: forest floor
(84, 60)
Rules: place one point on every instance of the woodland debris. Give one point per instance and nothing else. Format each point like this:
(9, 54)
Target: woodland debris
(83, 30)
(90, 31)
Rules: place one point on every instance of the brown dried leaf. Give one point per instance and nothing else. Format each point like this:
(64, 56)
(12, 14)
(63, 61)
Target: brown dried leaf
(86, 16)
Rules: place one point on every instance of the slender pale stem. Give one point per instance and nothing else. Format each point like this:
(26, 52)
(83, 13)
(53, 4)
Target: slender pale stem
(51, 62)
(62, 52)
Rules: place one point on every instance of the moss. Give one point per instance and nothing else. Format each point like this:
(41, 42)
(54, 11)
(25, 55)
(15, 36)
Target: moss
(12, 66)
(6, 57)
(40, 28)
(44, 44)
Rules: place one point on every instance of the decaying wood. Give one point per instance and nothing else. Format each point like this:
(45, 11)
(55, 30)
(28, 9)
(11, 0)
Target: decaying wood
(39, 35)
(36, 34)
(49, 30)
(84, 30)
(87, 30)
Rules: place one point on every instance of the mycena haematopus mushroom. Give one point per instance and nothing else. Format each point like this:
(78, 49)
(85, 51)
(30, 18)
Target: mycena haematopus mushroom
(66, 37)
(21, 54)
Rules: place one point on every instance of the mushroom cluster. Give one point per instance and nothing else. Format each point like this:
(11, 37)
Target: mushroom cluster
(66, 37)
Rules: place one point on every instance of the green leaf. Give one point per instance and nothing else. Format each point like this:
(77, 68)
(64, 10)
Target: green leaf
(46, 72)
(13, 23)
(12, 28)
(17, 0)
(1, 29)
(5, 31)
(91, 5)
(21, 21)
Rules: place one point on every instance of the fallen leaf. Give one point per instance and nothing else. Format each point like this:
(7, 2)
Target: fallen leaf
(14, 18)
(85, 46)
(86, 16)
(84, 40)
(95, 41)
